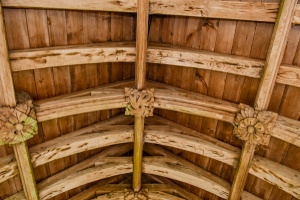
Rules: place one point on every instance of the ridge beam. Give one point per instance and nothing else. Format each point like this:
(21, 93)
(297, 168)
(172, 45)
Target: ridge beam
(140, 78)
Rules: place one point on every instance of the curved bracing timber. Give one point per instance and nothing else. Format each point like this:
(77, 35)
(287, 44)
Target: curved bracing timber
(272, 172)
(257, 11)
(156, 53)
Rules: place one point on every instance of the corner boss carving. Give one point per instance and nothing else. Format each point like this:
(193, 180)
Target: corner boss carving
(18, 124)
(140, 103)
(254, 126)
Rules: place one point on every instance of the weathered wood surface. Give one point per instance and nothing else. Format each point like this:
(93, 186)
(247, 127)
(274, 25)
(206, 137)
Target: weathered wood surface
(150, 194)
(105, 137)
(72, 55)
(8, 164)
(89, 193)
(85, 176)
(8, 98)
(156, 53)
(266, 87)
(106, 5)
(181, 191)
(242, 10)
(103, 189)
(287, 130)
(168, 136)
(174, 138)
(76, 105)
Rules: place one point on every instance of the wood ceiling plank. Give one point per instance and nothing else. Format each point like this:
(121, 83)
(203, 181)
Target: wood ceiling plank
(8, 99)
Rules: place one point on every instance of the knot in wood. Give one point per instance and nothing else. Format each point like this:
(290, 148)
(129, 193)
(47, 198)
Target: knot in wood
(18, 124)
(140, 195)
(140, 103)
(254, 126)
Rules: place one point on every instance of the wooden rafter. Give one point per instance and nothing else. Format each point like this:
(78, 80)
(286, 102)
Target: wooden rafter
(251, 11)
(140, 78)
(7, 94)
(156, 53)
(273, 61)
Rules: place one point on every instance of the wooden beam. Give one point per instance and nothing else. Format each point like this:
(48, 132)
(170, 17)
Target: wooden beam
(91, 191)
(140, 78)
(167, 136)
(104, 5)
(55, 108)
(281, 176)
(251, 11)
(186, 172)
(150, 194)
(109, 135)
(156, 53)
(8, 98)
(83, 177)
(116, 150)
(287, 130)
(103, 189)
(178, 189)
(273, 61)
(72, 55)
(8, 165)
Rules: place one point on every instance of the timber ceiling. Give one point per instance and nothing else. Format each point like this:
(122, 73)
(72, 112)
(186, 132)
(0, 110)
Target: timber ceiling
(203, 59)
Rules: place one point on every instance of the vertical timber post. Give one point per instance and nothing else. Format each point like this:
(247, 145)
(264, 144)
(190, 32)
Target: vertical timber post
(140, 77)
(8, 99)
(273, 61)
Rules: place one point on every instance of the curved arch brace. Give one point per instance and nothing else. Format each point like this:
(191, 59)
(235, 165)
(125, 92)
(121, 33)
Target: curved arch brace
(111, 135)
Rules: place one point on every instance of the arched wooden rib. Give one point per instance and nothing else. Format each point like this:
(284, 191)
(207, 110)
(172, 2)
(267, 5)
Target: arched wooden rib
(109, 135)
(151, 195)
(274, 173)
(84, 177)
(8, 165)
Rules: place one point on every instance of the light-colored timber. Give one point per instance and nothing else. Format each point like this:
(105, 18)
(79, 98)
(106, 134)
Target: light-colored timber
(91, 191)
(156, 53)
(146, 194)
(8, 165)
(174, 138)
(140, 79)
(188, 173)
(8, 98)
(72, 55)
(105, 137)
(266, 87)
(225, 10)
(182, 192)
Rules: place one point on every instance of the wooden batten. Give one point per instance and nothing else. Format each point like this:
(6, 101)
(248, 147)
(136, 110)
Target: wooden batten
(156, 53)
(72, 55)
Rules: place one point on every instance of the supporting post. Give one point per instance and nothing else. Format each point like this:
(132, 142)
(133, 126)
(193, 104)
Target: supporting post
(140, 77)
(7, 94)
(273, 61)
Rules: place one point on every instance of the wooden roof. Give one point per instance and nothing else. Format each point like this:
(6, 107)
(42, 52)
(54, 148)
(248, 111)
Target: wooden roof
(207, 68)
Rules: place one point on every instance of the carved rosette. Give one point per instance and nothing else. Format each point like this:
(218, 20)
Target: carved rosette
(131, 195)
(140, 103)
(18, 124)
(254, 126)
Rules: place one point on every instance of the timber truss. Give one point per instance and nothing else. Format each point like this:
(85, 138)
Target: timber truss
(149, 133)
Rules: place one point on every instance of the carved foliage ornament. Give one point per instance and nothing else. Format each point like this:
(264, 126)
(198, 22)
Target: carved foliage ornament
(140, 103)
(254, 126)
(131, 195)
(18, 124)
